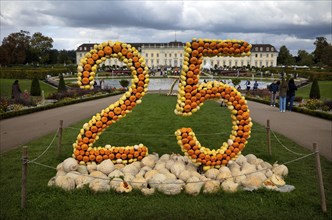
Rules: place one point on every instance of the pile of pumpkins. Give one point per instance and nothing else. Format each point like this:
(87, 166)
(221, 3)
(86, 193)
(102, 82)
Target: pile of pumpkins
(170, 175)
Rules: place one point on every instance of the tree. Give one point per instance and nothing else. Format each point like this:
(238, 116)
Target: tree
(304, 58)
(314, 91)
(35, 88)
(14, 48)
(284, 56)
(327, 55)
(40, 46)
(320, 43)
(62, 86)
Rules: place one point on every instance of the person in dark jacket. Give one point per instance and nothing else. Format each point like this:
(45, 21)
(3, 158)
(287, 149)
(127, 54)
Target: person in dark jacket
(274, 88)
(16, 91)
(291, 94)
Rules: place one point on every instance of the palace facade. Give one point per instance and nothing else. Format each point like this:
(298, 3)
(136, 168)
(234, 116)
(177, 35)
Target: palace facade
(170, 54)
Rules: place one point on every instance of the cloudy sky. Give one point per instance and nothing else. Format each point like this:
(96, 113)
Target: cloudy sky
(295, 23)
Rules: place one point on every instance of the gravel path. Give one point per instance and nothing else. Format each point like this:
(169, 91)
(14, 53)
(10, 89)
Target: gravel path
(302, 129)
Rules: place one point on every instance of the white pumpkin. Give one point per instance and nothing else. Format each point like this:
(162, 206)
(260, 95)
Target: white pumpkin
(116, 174)
(138, 183)
(254, 181)
(185, 175)
(177, 168)
(82, 169)
(65, 182)
(115, 182)
(229, 186)
(130, 169)
(164, 158)
(193, 186)
(156, 179)
(99, 185)
(211, 186)
(61, 172)
(280, 170)
(99, 175)
(148, 175)
(171, 187)
(83, 180)
(250, 157)
(248, 168)
(69, 164)
(149, 161)
(92, 167)
(212, 173)
(241, 159)
(106, 167)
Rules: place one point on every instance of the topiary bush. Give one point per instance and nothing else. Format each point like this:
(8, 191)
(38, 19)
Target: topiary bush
(35, 89)
(314, 91)
(124, 83)
(62, 86)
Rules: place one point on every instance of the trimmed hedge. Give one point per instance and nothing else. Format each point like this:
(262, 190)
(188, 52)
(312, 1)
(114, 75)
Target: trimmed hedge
(55, 105)
(30, 73)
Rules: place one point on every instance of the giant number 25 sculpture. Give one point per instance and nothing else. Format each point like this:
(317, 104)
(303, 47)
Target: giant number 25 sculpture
(191, 96)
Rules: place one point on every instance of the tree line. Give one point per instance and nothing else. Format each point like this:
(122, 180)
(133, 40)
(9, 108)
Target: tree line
(22, 48)
(322, 55)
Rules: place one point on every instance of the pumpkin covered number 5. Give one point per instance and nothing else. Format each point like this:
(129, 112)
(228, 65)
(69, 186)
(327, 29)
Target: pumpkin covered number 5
(84, 151)
(193, 94)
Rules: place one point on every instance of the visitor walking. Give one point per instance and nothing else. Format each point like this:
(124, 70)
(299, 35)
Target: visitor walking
(274, 88)
(16, 91)
(255, 85)
(283, 95)
(291, 94)
(248, 85)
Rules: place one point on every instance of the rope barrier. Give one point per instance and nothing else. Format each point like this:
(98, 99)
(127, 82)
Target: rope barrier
(200, 181)
(285, 146)
(46, 147)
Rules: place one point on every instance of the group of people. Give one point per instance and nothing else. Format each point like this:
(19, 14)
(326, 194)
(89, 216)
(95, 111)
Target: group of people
(286, 90)
(248, 85)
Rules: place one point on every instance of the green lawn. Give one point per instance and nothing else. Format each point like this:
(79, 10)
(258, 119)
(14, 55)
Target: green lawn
(325, 90)
(25, 84)
(153, 123)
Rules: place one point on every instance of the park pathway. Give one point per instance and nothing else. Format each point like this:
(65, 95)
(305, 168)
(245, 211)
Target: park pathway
(302, 129)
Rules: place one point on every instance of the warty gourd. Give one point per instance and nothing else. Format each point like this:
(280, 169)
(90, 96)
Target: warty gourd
(99, 185)
(211, 186)
(65, 182)
(193, 186)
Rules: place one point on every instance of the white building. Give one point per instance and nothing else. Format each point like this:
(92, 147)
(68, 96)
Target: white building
(171, 55)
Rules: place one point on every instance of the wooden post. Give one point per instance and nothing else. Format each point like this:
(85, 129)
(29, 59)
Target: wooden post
(24, 177)
(268, 137)
(320, 179)
(59, 139)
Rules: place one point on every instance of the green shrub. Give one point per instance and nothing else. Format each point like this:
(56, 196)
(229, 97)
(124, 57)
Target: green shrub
(314, 91)
(124, 83)
(62, 86)
(35, 89)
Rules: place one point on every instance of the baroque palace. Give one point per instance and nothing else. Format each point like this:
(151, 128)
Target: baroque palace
(158, 55)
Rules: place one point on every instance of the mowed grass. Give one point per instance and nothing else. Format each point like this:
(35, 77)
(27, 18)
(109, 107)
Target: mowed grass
(153, 123)
(25, 84)
(325, 90)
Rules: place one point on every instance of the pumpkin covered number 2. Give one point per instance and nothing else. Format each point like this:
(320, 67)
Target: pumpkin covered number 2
(191, 96)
